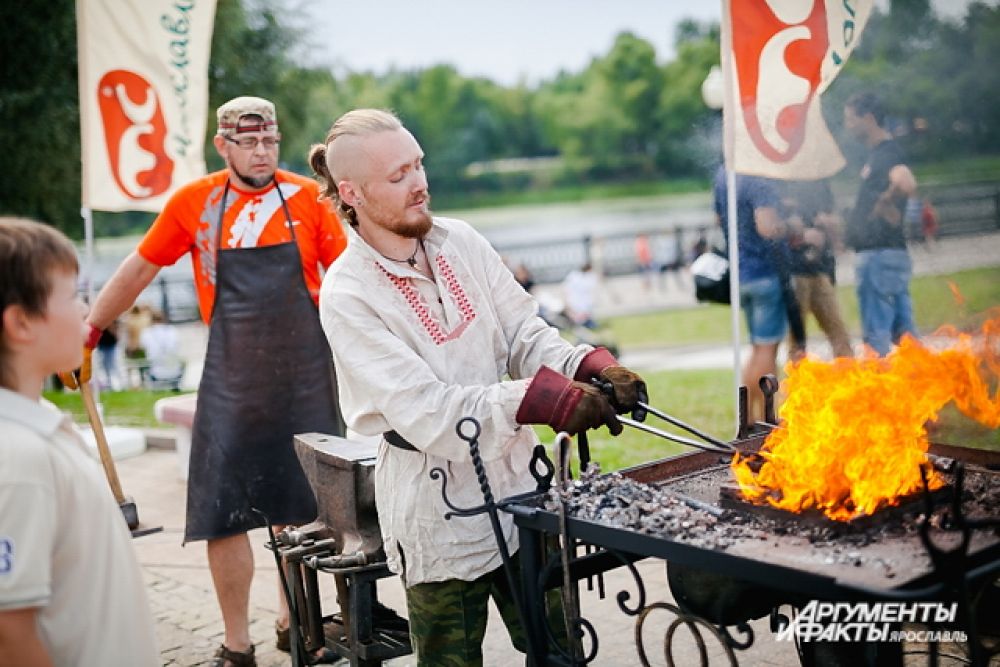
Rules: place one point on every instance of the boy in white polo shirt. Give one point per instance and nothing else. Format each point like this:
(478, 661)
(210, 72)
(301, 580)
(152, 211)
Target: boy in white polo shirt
(71, 591)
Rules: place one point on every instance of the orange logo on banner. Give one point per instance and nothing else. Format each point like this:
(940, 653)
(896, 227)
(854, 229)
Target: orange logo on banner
(135, 133)
(778, 49)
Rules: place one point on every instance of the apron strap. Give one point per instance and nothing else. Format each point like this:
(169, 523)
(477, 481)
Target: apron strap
(222, 212)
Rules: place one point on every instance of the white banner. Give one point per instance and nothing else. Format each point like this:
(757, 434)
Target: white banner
(778, 56)
(143, 98)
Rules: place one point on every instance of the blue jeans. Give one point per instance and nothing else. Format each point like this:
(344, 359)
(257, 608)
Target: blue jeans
(764, 309)
(883, 285)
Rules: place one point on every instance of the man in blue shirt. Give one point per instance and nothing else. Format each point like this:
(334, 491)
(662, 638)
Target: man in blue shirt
(760, 231)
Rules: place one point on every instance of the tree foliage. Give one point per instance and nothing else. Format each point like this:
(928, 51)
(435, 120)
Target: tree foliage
(626, 115)
(39, 112)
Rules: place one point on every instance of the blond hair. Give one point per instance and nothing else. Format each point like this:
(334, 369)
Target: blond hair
(356, 123)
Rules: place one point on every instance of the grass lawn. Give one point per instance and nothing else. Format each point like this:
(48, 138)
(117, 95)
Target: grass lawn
(121, 408)
(934, 305)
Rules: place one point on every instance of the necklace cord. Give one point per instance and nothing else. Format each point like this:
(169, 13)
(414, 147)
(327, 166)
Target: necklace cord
(411, 260)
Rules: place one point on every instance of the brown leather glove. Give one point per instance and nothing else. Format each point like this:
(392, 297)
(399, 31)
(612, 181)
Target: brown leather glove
(566, 405)
(627, 388)
(73, 379)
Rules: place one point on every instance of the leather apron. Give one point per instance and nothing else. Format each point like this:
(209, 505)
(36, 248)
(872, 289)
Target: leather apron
(267, 376)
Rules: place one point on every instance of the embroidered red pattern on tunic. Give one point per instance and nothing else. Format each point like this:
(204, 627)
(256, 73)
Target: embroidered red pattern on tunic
(416, 302)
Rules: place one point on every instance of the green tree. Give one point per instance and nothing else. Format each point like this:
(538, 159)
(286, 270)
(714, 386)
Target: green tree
(39, 113)
(250, 47)
(605, 120)
(688, 142)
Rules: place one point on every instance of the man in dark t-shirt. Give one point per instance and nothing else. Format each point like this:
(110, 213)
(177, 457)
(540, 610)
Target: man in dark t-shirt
(875, 228)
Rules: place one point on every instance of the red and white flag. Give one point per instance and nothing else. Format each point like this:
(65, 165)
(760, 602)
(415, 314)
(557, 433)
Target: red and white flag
(778, 56)
(143, 98)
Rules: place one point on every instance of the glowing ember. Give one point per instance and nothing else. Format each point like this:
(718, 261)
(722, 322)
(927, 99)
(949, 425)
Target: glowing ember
(853, 436)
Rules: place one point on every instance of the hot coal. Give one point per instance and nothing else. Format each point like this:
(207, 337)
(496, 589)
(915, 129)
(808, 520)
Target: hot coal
(670, 510)
(616, 500)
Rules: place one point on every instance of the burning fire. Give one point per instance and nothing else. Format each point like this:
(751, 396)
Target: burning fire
(854, 437)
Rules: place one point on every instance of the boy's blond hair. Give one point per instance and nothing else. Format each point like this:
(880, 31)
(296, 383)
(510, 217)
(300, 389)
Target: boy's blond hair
(29, 254)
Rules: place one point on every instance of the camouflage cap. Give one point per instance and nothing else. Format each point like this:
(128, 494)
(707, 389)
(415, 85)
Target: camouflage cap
(231, 116)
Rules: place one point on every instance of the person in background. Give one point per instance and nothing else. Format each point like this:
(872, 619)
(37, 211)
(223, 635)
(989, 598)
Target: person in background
(928, 223)
(700, 246)
(644, 260)
(162, 347)
(810, 204)
(580, 293)
(875, 228)
(524, 278)
(107, 353)
(71, 591)
(761, 235)
(258, 238)
(669, 258)
(428, 327)
(139, 317)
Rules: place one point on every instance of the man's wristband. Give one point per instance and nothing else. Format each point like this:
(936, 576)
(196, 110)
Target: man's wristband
(93, 335)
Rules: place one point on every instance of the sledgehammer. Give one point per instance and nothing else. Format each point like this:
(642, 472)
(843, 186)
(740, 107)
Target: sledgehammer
(126, 504)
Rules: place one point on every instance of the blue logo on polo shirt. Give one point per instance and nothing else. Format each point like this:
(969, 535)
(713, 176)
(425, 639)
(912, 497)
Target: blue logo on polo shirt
(6, 555)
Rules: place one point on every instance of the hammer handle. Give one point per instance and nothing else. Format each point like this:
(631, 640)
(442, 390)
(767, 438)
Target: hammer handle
(102, 442)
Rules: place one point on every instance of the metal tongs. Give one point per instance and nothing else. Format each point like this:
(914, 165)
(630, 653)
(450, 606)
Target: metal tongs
(714, 444)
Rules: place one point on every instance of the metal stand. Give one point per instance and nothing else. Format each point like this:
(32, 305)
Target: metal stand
(353, 633)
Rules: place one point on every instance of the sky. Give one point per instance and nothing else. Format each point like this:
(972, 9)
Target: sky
(503, 41)
(508, 41)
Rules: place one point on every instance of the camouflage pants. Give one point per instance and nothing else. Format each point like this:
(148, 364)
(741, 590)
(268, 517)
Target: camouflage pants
(448, 618)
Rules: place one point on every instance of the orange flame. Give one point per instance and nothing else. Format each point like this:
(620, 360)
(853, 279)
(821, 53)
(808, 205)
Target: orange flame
(853, 436)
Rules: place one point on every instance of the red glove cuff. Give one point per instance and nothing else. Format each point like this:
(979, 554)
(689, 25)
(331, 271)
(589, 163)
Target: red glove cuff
(93, 335)
(543, 397)
(594, 363)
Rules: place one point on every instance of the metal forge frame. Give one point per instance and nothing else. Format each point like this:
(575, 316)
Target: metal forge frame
(954, 575)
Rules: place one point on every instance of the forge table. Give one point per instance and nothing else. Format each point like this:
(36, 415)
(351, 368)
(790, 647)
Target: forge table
(783, 562)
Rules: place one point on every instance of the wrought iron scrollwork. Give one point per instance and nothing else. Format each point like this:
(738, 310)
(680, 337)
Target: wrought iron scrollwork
(950, 565)
(694, 624)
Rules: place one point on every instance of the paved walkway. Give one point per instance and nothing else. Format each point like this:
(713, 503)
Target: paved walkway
(189, 626)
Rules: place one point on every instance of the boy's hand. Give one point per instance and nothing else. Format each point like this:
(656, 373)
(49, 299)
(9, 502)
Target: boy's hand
(73, 379)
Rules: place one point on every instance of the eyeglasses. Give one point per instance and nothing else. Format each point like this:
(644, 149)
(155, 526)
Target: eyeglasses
(250, 143)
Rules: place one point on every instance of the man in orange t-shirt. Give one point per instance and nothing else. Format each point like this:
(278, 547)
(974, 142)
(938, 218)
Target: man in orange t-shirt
(253, 218)
(258, 237)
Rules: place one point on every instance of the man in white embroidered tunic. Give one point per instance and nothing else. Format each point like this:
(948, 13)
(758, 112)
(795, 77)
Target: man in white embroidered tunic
(426, 321)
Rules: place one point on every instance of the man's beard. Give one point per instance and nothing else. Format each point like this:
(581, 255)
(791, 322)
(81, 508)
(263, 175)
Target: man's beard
(410, 229)
(413, 229)
(255, 182)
